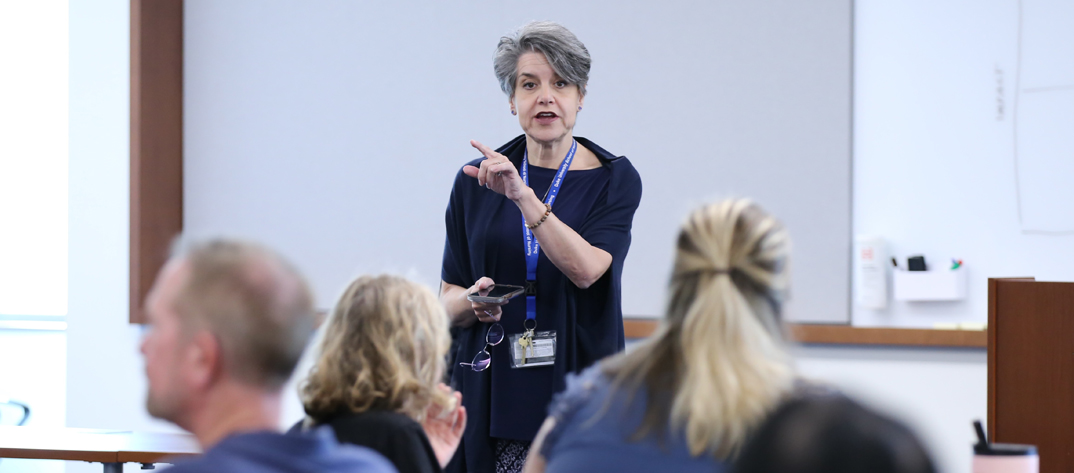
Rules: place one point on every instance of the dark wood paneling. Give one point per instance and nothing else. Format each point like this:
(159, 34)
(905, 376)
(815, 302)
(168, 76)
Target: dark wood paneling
(992, 285)
(991, 411)
(156, 153)
(1031, 368)
(847, 335)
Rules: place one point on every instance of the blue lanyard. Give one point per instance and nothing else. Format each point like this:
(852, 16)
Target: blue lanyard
(533, 247)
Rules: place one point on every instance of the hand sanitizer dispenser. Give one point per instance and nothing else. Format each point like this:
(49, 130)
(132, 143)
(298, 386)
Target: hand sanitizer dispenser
(870, 272)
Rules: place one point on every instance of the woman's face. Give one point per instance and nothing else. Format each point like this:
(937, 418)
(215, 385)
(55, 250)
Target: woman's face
(547, 105)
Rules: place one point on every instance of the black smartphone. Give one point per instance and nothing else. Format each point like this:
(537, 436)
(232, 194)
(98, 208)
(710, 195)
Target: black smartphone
(495, 294)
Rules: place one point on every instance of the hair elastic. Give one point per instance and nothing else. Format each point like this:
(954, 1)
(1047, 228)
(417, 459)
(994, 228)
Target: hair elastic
(713, 271)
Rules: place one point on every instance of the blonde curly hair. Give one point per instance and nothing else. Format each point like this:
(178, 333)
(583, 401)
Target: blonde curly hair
(384, 348)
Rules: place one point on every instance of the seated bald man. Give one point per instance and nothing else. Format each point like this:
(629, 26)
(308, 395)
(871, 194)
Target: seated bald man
(228, 323)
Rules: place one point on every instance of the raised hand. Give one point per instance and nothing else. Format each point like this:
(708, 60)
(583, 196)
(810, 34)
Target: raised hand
(444, 427)
(496, 173)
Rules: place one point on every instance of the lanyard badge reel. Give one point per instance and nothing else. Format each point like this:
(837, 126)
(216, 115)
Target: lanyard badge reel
(530, 348)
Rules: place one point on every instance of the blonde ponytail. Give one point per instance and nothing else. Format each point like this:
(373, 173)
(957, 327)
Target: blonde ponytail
(718, 364)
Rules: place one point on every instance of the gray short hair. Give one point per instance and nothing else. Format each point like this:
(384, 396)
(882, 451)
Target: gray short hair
(253, 300)
(565, 53)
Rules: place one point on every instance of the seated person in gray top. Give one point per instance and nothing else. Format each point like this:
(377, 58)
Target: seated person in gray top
(228, 323)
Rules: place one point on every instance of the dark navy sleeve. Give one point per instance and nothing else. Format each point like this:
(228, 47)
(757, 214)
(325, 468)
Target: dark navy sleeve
(608, 226)
(456, 266)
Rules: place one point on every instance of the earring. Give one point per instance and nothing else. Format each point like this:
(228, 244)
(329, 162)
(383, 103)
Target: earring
(514, 112)
(579, 108)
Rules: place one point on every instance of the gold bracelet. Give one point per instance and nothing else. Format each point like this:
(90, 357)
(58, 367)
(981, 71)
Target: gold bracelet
(547, 212)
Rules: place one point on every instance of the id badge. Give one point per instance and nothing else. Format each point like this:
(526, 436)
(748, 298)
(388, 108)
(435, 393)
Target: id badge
(533, 349)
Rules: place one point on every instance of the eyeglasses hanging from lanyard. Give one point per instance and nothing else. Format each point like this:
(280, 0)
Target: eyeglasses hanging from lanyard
(483, 359)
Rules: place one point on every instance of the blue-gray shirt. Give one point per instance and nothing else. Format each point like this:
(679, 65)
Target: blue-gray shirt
(269, 452)
(593, 434)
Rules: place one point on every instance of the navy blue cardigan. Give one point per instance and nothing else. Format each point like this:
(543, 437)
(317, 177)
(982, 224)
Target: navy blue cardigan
(484, 238)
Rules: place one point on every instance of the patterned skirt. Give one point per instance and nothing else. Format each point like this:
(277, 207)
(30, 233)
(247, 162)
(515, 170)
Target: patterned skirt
(511, 455)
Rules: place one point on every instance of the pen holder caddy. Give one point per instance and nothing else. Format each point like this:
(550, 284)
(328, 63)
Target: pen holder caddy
(941, 285)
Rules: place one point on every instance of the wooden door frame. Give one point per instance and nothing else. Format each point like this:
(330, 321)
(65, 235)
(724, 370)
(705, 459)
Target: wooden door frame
(156, 141)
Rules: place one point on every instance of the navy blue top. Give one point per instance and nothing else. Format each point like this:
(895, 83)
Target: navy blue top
(398, 438)
(271, 452)
(594, 426)
(485, 238)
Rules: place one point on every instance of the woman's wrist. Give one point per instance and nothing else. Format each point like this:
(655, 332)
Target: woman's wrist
(459, 310)
(531, 207)
(527, 195)
(463, 318)
(466, 316)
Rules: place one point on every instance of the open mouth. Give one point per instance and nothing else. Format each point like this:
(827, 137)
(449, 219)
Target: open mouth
(546, 118)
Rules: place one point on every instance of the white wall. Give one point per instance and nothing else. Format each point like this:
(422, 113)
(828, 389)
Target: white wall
(937, 392)
(105, 384)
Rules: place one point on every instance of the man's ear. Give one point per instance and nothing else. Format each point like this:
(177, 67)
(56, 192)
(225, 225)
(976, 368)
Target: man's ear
(204, 360)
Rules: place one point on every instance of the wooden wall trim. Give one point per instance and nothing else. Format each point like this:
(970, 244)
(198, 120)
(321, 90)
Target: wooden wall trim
(639, 328)
(156, 146)
(816, 334)
(847, 335)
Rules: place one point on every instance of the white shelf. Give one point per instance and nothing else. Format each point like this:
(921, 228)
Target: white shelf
(943, 285)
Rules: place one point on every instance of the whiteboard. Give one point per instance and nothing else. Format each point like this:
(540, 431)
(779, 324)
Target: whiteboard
(964, 142)
(332, 130)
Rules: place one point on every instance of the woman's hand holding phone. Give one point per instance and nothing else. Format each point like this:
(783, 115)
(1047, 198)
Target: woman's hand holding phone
(486, 312)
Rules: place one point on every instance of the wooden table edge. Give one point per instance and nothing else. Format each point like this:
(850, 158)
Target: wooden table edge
(66, 455)
(152, 457)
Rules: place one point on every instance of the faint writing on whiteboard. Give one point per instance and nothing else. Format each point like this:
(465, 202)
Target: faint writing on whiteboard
(1043, 117)
(999, 94)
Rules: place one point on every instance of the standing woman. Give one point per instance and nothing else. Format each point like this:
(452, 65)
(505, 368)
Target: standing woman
(549, 211)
